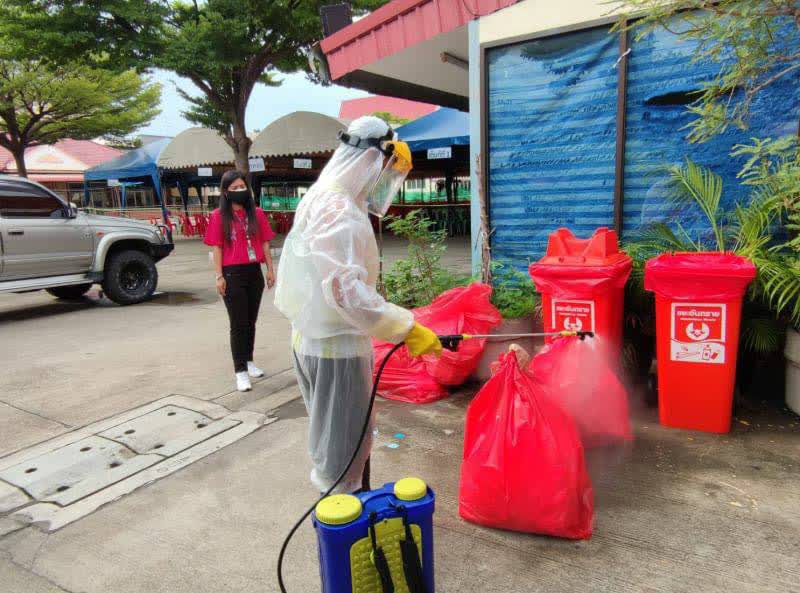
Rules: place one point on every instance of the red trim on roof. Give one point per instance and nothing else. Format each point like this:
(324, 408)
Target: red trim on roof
(398, 25)
(56, 177)
(88, 152)
(353, 108)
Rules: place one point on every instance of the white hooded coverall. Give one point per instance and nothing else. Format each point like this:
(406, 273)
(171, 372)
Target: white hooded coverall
(326, 287)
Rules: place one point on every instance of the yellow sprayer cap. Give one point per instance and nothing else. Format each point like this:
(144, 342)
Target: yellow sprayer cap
(410, 489)
(338, 509)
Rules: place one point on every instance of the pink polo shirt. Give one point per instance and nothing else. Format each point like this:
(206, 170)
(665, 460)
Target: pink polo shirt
(235, 251)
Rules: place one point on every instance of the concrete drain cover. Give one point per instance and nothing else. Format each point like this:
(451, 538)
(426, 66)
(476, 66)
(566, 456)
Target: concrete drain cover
(167, 431)
(59, 481)
(77, 470)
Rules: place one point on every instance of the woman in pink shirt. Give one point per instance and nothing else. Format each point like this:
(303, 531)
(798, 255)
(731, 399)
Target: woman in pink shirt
(240, 235)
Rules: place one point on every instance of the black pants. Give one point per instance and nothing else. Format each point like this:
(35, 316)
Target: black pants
(243, 290)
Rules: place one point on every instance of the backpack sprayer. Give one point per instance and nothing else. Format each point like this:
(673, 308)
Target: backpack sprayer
(362, 537)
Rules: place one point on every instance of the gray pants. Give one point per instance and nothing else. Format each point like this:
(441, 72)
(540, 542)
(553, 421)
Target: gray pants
(336, 393)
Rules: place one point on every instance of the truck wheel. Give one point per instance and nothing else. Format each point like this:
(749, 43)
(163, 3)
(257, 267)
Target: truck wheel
(69, 293)
(130, 277)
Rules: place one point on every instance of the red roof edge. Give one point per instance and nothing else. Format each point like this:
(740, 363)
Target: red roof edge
(398, 25)
(371, 21)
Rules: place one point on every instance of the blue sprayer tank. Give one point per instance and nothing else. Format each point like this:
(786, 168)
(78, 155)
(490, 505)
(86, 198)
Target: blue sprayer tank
(344, 524)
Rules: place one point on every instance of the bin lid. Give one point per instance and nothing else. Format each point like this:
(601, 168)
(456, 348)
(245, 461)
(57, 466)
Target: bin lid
(601, 249)
(706, 274)
(574, 267)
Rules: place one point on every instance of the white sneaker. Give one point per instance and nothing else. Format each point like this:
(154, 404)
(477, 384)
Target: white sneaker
(243, 381)
(254, 371)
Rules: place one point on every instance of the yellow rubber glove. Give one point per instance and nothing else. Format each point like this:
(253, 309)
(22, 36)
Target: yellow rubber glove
(420, 340)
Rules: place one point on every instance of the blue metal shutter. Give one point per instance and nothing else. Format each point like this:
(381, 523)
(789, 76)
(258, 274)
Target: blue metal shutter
(551, 139)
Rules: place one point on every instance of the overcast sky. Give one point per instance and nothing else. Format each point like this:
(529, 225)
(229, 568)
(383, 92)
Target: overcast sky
(266, 103)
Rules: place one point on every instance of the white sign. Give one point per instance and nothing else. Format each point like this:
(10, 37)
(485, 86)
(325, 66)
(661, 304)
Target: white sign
(204, 172)
(698, 332)
(440, 153)
(302, 163)
(572, 316)
(113, 183)
(256, 164)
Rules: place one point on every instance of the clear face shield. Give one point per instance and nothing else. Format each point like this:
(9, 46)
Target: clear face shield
(391, 178)
(394, 173)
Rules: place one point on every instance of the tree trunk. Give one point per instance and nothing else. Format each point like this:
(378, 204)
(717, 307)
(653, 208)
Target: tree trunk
(19, 159)
(240, 159)
(240, 143)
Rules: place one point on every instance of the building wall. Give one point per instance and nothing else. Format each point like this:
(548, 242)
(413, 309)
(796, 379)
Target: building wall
(550, 115)
(475, 140)
(535, 16)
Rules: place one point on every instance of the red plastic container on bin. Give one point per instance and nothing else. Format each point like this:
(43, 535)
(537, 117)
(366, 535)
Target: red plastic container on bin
(582, 283)
(698, 310)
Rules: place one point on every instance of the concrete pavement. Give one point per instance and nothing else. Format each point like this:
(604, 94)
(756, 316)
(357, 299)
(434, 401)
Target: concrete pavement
(678, 511)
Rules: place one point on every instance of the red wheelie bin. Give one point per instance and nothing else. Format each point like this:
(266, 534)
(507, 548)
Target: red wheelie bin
(698, 310)
(582, 283)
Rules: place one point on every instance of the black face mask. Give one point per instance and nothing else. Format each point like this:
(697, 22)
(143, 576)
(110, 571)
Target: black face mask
(238, 196)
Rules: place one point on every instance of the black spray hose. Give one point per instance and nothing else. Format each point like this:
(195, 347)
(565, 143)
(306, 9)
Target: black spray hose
(364, 430)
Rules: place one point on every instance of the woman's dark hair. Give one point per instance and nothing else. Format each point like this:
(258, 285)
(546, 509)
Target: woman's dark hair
(226, 209)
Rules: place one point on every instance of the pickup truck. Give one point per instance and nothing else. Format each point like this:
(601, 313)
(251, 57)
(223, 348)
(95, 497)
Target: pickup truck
(46, 243)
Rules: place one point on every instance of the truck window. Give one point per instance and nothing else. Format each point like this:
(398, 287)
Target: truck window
(20, 201)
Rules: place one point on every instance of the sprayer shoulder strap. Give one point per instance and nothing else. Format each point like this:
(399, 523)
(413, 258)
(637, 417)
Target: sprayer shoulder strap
(379, 558)
(412, 566)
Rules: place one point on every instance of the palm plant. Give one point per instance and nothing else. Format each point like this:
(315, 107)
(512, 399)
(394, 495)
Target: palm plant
(749, 230)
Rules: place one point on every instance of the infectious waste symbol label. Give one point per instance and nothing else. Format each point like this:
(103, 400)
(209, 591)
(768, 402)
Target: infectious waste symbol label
(698, 332)
(573, 316)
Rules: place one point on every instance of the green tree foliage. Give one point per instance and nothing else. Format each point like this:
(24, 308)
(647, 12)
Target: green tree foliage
(390, 118)
(112, 34)
(41, 103)
(753, 43)
(226, 47)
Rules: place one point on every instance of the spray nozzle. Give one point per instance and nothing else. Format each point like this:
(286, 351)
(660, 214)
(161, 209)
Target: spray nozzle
(451, 341)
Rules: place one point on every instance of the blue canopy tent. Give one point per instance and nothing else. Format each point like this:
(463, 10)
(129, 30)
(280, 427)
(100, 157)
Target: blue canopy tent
(440, 143)
(135, 165)
(440, 129)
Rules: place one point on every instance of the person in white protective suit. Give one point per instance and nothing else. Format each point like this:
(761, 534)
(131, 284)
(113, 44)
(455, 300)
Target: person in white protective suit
(326, 287)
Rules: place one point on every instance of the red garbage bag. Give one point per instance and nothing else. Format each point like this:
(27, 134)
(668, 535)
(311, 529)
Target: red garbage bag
(579, 378)
(462, 310)
(405, 377)
(459, 310)
(523, 467)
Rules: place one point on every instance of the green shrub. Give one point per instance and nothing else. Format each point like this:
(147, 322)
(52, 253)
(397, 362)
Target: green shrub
(514, 294)
(749, 231)
(416, 280)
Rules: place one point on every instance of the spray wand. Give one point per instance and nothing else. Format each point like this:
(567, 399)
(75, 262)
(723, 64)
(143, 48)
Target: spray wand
(451, 342)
